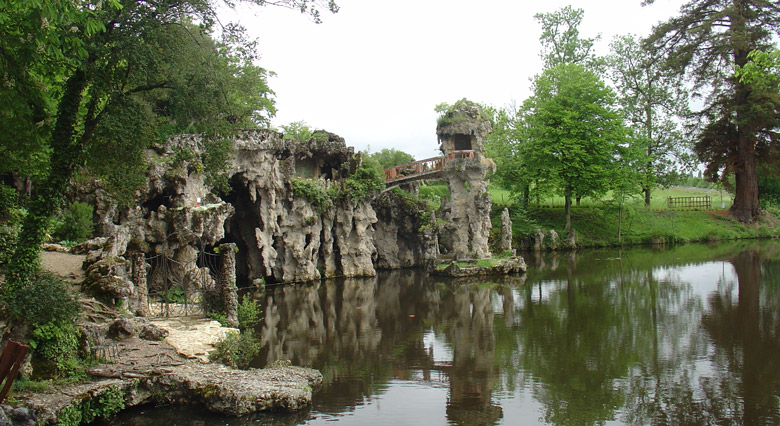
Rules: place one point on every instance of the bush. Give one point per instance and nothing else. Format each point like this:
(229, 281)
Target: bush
(77, 224)
(46, 300)
(9, 234)
(236, 350)
(248, 313)
(55, 349)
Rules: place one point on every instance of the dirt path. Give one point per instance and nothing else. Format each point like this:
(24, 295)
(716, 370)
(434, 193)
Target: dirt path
(65, 265)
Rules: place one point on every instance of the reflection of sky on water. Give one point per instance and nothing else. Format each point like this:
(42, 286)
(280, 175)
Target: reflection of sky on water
(441, 351)
(704, 278)
(399, 403)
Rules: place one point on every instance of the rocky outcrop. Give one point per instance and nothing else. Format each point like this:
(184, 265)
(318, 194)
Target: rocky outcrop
(405, 232)
(289, 228)
(217, 388)
(290, 212)
(513, 265)
(461, 131)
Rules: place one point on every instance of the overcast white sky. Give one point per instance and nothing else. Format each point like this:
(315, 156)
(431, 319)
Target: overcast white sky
(373, 72)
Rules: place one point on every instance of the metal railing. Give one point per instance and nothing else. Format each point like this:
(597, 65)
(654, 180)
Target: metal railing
(690, 203)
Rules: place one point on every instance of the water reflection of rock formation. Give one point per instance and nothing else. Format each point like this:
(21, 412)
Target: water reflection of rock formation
(359, 328)
(467, 320)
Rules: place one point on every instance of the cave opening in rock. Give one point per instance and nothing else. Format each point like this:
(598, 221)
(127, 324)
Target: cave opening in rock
(462, 142)
(163, 199)
(240, 229)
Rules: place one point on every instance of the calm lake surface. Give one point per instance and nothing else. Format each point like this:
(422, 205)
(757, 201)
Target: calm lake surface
(687, 335)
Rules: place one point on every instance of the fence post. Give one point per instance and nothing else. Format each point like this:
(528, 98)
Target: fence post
(139, 278)
(227, 283)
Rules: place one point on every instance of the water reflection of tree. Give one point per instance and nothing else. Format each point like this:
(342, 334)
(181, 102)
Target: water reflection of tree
(747, 342)
(743, 383)
(594, 325)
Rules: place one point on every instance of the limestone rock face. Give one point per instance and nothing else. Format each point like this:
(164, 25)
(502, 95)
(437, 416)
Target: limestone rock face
(285, 236)
(404, 237)
(108, 278)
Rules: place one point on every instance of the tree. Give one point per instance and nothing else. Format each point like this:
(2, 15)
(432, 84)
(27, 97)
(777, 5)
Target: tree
(574, 132)
(115, 74)
(391, 157)
(507, 145)
(651, 98)
(561, 42)
(708, 41)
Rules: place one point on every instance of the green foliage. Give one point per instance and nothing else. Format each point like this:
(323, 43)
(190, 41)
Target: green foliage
(652, 99)
(55, 349)
(391, 157)
(9, 234)
(9, 198)
(48, 300)
(77, 224)
(237, 350)
(248, 313)
(105, 405)
(434, 193)
(560, 38)
(367, 179)
(313, 192)
(94, 84)
(574, 132)
(449, 114)
(300, 131)
(709, 42)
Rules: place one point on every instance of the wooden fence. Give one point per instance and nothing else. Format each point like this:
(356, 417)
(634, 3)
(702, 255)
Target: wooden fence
(690, 203)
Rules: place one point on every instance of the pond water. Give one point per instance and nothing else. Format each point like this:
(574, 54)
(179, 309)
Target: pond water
(680, 336)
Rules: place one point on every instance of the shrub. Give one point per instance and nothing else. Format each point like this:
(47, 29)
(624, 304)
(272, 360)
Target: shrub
(77, 224)
(236, 350)
(55, 347)
(46, 300)
(248, 313)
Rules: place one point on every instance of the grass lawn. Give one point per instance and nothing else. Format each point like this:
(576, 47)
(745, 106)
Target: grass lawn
(658, 198)
(603, 223)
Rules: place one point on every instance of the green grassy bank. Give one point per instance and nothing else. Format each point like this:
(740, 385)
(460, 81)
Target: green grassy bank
(604, 223)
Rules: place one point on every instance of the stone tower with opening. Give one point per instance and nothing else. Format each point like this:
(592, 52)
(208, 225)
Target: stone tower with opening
(461, 131)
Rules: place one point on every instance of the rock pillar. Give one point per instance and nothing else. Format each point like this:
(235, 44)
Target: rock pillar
(141, 299)
(505, 237)
(227, 283)
(461, 131)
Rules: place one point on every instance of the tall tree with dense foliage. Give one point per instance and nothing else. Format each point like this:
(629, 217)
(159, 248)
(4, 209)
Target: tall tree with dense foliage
(85, 79)
(561, 41)
(652, 98)
(707, 41)
(574, 132)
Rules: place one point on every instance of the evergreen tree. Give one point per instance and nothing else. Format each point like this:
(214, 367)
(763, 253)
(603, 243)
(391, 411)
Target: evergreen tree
(708, 41)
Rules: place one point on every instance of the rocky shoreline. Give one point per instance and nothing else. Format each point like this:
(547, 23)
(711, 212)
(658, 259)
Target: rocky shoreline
(154, 372)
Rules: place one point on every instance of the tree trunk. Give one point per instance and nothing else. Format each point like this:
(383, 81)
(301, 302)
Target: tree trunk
(646, 191)
(745, 207)
(48, 198)
(567, 209)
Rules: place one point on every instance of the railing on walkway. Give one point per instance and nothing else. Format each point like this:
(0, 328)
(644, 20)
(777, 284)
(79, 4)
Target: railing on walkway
(423, 167)
(690, 203)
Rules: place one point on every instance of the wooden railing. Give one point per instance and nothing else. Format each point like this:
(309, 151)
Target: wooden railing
(424, 167)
